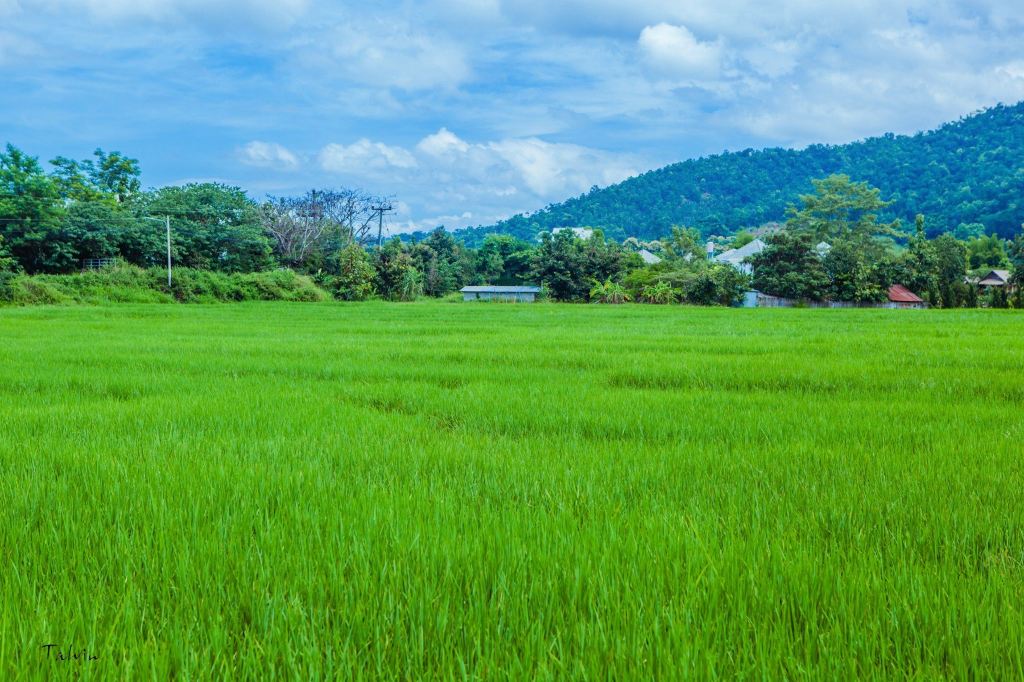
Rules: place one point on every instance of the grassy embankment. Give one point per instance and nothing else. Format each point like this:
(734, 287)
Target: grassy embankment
(129, 284)
(505, 492)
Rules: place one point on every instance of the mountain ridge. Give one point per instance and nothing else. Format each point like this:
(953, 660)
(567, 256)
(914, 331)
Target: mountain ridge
(966, 172)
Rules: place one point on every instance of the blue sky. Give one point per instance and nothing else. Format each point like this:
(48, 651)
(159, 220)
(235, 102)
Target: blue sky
(472, 110)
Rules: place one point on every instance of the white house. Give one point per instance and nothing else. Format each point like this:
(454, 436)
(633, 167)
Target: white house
(738, 257)
(581, 232)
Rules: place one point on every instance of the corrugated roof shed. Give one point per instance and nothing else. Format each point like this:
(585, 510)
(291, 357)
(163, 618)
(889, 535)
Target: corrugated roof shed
(900, 294)
(500, 290)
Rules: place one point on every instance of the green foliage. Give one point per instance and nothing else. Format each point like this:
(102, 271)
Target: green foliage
(842, 210)
(790, 267)
(511, 493)
(30, 213)
(850, 275)
(109, 177)
(559, 265)
(741, 239)
(397, 277)
(717, 284)
(503, 259)
(130, 284)
(987, 252)
(659, 293)
(608, 292)
(411, 285)
(355, 278)
(213, 226)
(567, 265)
(966, 172)
(685, 243)
(7, 261)
(951, 266)
(443, 262)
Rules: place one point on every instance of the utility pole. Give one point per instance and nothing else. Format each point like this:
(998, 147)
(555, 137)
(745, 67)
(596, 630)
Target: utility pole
(167, 221)
(381, 210)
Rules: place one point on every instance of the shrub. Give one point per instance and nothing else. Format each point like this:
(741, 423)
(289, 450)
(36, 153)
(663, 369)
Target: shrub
(129, 284)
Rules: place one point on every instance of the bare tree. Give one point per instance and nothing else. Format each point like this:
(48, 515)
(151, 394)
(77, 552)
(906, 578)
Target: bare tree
(318, 220)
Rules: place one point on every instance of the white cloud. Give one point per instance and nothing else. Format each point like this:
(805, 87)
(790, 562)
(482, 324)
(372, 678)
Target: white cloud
(268, 155)
(443, 143)
(548, 98)
(459, 183)
(551, 170)
(675, 52)
(386, 54)
(364, 156)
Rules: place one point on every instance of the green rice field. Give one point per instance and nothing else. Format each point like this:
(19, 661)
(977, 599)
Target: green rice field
(444, 491)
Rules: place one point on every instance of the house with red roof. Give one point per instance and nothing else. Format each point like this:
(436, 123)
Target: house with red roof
(902, 297)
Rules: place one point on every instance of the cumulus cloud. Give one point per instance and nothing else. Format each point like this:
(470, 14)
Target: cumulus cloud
(443, 143)
(483, 180)
(674, 51)
(364, 156)
(268, 155)
(548, 98)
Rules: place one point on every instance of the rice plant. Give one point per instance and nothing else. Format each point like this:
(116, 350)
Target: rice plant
(439, 490)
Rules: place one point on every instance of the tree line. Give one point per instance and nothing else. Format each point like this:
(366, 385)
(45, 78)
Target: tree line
(835, 248)
(51, 221)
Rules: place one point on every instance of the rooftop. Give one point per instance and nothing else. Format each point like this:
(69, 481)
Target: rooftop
(995, 278)
(500, 290)
(745, 251)
(648, 257)
(900, 294)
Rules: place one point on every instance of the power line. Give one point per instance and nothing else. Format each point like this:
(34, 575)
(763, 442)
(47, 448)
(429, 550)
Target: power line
(381, 210)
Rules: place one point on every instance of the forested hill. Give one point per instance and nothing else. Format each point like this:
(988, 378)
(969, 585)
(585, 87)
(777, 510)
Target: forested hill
(967, 172)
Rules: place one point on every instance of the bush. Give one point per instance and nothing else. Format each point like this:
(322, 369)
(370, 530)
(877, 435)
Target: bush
(129, 284)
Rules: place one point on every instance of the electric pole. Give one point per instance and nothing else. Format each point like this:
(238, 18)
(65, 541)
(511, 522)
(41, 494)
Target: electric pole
(381, 210)
(167, 221)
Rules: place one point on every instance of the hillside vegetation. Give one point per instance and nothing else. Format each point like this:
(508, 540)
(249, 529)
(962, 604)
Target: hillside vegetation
(969, 173)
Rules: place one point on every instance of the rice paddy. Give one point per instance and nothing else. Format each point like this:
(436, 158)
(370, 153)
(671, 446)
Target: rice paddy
(438, 490)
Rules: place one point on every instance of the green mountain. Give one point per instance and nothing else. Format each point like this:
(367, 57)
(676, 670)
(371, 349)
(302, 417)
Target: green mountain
(967, 172)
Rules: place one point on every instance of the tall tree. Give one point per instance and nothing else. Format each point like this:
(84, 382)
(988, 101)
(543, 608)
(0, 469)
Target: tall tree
(840, 209)
(397, 277)
(851, 277)
(951, 270)
(790, 267)
(560, 265)
(111, 176)
(503, 259)
(30, 213)
(309, 229)
(355, 274)
(214, 226)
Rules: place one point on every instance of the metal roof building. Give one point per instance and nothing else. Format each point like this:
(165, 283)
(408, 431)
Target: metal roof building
(902, 297)
(506, 294)
(737, 257)
(995, 278)
(648, 258)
